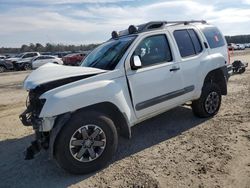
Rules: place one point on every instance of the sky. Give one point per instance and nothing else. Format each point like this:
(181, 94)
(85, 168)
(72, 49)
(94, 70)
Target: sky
(92, 21)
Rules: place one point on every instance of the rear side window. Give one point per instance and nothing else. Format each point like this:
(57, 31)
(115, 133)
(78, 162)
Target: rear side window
(39, 58)
(188, 42)
(195, 40)
(214, 37)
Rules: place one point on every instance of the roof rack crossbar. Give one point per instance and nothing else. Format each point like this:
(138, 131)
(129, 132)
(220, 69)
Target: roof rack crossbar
(187, 22)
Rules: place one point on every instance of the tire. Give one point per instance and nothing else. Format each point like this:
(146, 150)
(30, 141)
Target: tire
(66, 154)
(27, 66)
(2, 69)
(209, 102)
(242, 70)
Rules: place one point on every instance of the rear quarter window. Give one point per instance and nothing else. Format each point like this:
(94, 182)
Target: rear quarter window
(214, 37)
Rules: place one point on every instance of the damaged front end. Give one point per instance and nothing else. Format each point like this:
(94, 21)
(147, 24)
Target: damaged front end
(41, 125)
(30, 117)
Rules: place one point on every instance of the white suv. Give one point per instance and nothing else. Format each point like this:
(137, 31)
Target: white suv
(78, 112)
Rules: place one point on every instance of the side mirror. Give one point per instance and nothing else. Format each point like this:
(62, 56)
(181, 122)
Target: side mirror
(136, 62)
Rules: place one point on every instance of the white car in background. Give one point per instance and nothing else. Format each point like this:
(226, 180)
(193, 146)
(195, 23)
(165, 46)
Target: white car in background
(240, 46)
(43, 59)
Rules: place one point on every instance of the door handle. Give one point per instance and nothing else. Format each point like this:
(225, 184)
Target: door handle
(174, 69)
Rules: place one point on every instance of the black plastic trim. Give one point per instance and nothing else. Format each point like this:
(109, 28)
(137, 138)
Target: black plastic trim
(162, 98)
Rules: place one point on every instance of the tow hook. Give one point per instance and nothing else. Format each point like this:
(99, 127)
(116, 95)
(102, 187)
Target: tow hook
(33, 149)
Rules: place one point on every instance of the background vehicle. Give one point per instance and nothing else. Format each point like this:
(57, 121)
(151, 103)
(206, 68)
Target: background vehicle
(73, 59)
(240, 47)
(2, 57)
(43, 59)
(247, 45)
(60, 54)
(239, 67)
(23, 61)
(232, 46)
(4, 66)
(78, 112)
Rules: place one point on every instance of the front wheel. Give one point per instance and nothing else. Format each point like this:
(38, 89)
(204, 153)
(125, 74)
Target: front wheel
(27, 66)
(2, 69)
(209, 102)
(86, 143)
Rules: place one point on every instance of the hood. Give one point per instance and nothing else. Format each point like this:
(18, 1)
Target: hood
(52, 72)
(13, 59)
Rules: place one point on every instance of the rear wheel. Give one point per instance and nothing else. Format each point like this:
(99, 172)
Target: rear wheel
(86, 143)
(209, 102)
(2, 69)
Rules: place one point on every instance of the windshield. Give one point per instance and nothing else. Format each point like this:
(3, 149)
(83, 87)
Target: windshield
(107, 55)
(19, 55)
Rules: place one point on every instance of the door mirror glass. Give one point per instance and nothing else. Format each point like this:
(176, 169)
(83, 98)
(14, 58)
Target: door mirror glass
(136, 62)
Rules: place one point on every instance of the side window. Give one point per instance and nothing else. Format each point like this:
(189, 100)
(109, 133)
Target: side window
(50, 57)
(29, 55)
(187, 42)
(39, 58)
(33, 54)
(195, 40)
(184, 43)
(214, 37)
(153, 50)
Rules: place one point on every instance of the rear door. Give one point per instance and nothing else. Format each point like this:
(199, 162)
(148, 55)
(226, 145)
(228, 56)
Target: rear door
(192, 52)
(157, 85)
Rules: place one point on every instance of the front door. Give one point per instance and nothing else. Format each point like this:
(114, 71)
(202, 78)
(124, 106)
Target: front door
(157, 85)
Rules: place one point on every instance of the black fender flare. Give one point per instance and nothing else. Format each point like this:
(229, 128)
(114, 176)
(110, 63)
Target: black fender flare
(60, 122)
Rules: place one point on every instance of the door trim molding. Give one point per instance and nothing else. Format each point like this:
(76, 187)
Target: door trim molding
(163, 98)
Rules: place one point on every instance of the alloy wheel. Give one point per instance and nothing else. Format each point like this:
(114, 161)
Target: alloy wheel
(87, 143)
(212, 102)
(27, 67)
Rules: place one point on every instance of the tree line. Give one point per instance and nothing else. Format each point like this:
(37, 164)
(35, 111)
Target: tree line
(238, 39)
(75, 48)
(48, 48)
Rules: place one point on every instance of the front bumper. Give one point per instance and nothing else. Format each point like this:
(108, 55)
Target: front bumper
(41, 136)
(41, 126)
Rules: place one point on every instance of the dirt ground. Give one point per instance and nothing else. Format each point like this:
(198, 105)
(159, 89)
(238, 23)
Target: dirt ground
(174, 149)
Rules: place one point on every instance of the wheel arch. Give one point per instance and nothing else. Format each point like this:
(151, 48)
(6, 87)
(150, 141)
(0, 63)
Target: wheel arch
(108, 108)
(120, 119)
(218, 76)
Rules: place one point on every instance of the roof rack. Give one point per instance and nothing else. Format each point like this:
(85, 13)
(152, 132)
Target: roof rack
(151, 26)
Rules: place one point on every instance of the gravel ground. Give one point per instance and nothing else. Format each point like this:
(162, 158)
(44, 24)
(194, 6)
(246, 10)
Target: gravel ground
(174, 149)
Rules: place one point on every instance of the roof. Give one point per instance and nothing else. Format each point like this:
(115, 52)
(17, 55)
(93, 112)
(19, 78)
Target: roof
(154, 25)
